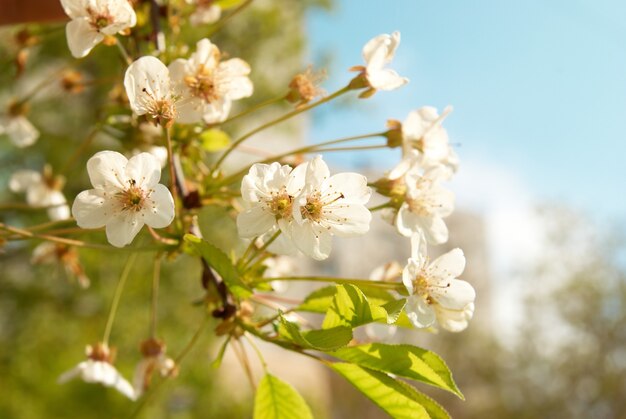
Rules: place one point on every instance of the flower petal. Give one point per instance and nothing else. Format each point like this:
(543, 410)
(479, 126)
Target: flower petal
(447, 266)
(312, 240)
(454, 320)
(81, 37)
(23, 180)
(107, 169)
(217, 110)
(159, 210)
(144, 169)
(347, 220)
(92, 209)
(456, 295)
(255, 222)
(146, 80)
(122, 229)
(385, 79)
(352, 186)
(419, 312)
(21, 131)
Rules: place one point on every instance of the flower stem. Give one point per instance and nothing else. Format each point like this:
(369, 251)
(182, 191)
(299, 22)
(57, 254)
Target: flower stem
(240, 352)
(261, 249)
(279, 120)
(257, 350)
(357, 282)
(123, 52)
(307, 149)
(117, 295)
(156, 277)
(254, 108)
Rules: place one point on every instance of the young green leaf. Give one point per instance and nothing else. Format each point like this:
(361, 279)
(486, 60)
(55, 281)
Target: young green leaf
(221, 263)
(321, 299)
(398, 399)
(351, 308)
(276, 399)
(321, 340)
(403, 360)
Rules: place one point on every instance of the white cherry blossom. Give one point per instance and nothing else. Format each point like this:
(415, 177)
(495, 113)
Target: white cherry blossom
(92, 20)
(126, 196)
(377, 53)
(41, 191)
(206, 12)
(98, 369)
(327, 206)
(211, 84)
(19, 129)
(422, 131)
(436, 295)
(268, 192)
(150, 92)
(426, 204)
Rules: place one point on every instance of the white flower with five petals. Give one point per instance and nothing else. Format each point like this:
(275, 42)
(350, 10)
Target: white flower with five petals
(41, 191)
(327, 206)
(211, 84)
(436, 295)
(92, 20)
(126, 196)
(377, 53)
(151, 93)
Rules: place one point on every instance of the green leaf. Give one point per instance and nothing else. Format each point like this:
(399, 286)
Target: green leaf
(351, 308)
(321, 340)
(398, 399)
(228, 4)
(214, 140)
(276, 399)
(221, 263)
(394, 310)
(320, 300)
(403, 360)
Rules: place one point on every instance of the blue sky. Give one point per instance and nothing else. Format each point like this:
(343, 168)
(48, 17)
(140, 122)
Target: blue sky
(538, 87)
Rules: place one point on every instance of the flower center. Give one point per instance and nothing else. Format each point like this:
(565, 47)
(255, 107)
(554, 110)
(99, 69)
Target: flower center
(99, 20)
(280, 205)
(162, 110)
(132, 199)
(202, 84)
(314, 207)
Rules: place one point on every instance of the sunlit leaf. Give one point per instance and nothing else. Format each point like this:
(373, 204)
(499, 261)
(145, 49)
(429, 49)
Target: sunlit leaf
(276, 399)
(214, 140)
(351, 308)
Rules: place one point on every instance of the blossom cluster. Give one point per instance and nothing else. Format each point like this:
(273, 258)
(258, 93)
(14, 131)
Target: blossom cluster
(171, 99)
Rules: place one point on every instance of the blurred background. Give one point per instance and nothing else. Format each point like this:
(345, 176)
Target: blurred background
(539, 96)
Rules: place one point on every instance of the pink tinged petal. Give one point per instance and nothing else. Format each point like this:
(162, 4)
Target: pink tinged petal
(22, 180)
(146, 80)
(385, 79)
(447, 266)
(352, 186)
(454, 294)
(81, 37)
(419, 312)
(454, 320)
(144, 169)
(122, 229)
(159, 211)
(312, 240)
(107, 169)
(347, 220)
(255, 222)
(21, 131)
(92, 208)
(216, 111)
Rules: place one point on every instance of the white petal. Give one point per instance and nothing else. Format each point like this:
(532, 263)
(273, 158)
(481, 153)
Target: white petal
(205, 15)
(122, 229)
(456, 295)
(447, 266)
(24, 179)
(419, 312)
(190, 110)
(159, 210)
(21, 132)
(144, 169)
(107, 169)
(312, 240)
(407, 222)
(92, 209)
(81, 37)
(74, 8)
(317, 172)
(383, 45)
(217, 110)
(206, 54)
(347, 220)
(58, 208)
(255, 222)
(352, 186)
(123, 16)
(454, 320)
(435, 229)
(297, 179)
(409, 273)
(146, 80)
(385, 79)
(38, 195)
(73, 373)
